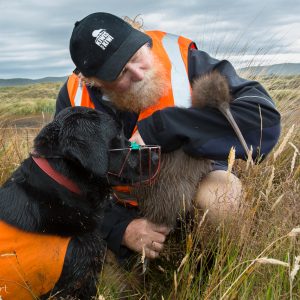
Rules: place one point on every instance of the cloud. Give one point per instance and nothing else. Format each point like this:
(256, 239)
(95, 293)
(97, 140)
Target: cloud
(34, 35)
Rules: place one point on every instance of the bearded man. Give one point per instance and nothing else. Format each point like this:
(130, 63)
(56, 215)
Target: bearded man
(144, 79)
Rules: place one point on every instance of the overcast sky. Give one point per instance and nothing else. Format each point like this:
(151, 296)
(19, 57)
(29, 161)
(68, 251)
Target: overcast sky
(34, 34)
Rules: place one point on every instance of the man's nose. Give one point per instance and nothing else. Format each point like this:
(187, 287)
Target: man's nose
(136, 72)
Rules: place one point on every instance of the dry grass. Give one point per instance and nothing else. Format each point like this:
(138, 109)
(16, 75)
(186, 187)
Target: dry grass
(15, 144)
(254, 258)
(23, 111)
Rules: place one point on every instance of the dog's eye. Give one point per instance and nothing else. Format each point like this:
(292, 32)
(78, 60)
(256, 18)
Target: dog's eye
(115, 142)
(119, 142)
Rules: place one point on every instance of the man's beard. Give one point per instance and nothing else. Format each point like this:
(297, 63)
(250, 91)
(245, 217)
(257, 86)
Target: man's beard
(144, 93)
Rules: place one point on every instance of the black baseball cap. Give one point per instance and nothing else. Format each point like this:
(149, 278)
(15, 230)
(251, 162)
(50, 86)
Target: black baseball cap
(101, 44)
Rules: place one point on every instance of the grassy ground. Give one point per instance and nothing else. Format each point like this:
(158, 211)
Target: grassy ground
(28, 99)
(23, 111)
(256, 257)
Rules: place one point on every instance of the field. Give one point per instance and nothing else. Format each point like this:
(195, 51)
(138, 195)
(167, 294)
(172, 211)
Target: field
(257, 257)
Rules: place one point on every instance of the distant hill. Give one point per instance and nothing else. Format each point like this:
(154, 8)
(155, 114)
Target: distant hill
(288, 69)
(25, 81)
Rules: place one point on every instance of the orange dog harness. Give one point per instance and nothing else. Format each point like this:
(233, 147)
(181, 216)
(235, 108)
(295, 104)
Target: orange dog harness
(30, 263)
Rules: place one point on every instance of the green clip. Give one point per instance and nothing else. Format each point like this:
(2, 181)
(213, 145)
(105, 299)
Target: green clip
(135, 146)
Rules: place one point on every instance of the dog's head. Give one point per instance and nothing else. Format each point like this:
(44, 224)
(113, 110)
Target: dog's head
(85, 137)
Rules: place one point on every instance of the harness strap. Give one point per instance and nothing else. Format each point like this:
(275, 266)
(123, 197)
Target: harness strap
(122, 196)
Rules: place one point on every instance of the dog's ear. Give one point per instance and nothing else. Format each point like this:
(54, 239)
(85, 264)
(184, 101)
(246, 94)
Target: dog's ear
(87, 154)
(45, 143)
(81, 142)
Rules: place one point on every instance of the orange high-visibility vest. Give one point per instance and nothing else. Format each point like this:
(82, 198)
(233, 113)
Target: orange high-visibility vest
(172, 52)
(78, 93)
(30, 263)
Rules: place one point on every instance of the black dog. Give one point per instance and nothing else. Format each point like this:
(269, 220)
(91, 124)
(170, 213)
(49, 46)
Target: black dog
(51, 224)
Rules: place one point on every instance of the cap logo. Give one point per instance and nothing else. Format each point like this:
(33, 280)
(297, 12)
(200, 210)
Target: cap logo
(103, 39)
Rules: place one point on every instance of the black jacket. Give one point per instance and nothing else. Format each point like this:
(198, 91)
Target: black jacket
(204, 132)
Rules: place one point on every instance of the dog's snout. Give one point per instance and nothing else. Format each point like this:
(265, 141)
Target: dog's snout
(135, 165)
(155, 158)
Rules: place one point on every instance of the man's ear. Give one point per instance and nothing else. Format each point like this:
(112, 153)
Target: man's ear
(87, 152)
(90, 81)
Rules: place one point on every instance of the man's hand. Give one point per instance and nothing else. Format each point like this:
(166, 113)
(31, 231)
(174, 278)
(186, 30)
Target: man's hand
(142, 234)
(136, 137)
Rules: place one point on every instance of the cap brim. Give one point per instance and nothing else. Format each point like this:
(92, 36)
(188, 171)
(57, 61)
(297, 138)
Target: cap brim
(114, 65)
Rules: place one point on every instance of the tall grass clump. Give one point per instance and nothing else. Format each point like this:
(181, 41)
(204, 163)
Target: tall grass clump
(254, 256)
(15, 144)
(23, 110)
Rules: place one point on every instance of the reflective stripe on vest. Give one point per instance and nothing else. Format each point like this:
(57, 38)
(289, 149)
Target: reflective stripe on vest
(179, 79)
(78, 96)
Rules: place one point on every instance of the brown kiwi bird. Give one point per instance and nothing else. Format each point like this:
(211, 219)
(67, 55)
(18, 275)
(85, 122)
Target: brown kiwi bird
(172, 194)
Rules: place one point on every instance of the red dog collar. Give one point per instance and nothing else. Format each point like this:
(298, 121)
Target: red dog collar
(59, 178)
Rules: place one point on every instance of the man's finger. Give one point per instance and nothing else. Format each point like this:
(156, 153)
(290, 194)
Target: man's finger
(151, 253)
(137, 138)
(158, 237)
(158, 247)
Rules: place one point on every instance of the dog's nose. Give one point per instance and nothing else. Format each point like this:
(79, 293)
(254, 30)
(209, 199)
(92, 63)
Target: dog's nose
(154, 158)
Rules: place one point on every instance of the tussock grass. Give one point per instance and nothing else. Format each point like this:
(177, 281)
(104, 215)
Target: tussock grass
(23, 110)
(15, 144)
(253, 257)
(28, 99)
